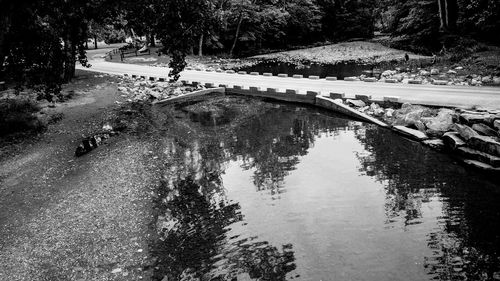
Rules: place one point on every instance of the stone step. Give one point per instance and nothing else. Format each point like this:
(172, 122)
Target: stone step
(473, 154)
(484, 130)
(485, 144)
(453, 140)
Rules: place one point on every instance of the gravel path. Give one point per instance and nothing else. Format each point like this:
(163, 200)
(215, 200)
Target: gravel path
(87, 218)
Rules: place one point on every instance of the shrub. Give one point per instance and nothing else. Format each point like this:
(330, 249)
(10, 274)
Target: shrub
(17, 116)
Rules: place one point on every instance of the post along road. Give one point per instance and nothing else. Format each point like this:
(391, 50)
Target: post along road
(463, 96)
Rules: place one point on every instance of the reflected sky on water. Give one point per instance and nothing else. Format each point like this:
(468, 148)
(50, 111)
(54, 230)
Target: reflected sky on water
(262, 191)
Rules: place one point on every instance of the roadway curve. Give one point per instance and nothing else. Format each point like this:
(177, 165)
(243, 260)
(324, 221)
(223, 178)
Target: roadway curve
(488, 97)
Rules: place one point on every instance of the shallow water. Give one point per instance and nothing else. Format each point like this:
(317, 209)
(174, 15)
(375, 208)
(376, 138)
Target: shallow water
(281, 192)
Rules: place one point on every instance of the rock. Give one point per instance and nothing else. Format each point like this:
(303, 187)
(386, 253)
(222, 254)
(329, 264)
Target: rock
(484, 130)
(486, 79)
(474, 82)
(398, 77)
(410, 115)
(485, 144)
(411, 133)
(453, 140)
(496, 124)
(459, 68)
(425, 73)
(434, 71)
(470, 153)
(376, 109)
(451, 72)
(116, 270)
(406, 105)
(496, 80)
(442, 122)
(434, 143)
(420, 126)
(464, 131)
(388, 73)
(480, 165)
(388, 112)
(471, 119)
(356, 103)
(434, 133)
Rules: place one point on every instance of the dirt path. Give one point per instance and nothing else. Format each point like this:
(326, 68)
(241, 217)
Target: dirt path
(86, 218)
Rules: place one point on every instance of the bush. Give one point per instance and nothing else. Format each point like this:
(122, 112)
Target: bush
(17, 116)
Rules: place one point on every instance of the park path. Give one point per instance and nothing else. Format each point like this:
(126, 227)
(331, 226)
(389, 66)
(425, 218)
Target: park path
(464, 96)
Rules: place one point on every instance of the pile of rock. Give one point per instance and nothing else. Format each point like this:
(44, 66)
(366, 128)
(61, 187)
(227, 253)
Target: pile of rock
(473, 135)
(142, 89)
(456, 76)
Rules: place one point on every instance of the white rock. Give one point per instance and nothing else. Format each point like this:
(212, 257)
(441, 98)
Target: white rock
(434, 71)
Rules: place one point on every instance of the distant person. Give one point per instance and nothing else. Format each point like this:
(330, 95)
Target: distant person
(407, 58)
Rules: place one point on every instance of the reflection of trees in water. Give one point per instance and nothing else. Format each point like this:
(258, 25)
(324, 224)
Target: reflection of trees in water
(466, 246)
(193, 238)
(273, 142)
(194, 215)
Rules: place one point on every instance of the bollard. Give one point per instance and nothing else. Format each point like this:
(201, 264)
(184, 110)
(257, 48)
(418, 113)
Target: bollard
(337, 96)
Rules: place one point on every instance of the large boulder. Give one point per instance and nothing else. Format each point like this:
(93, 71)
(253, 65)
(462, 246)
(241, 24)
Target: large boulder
(484, 130)
(442, 122)
(471, 119)
(356, 103)
(411, 115)
(484, 144)
(464, 131)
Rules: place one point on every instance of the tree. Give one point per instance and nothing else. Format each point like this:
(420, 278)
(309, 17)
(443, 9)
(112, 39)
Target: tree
(180, 22)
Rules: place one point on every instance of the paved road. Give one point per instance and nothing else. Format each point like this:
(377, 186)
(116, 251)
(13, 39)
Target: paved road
(488, 97)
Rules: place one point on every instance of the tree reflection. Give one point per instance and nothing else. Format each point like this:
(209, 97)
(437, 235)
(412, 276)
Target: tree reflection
(194, 216)
(466, 246)
(193, 237)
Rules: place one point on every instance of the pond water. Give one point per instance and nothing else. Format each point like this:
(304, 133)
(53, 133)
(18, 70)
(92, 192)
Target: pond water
(339, 70)
(262, 191)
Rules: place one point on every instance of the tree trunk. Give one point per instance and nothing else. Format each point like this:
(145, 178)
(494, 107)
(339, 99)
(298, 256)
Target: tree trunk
(95, 42)
(87, 44)
(152, 38)
(236, 35)
(70, 60)
(442, 25)
(200, 46)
